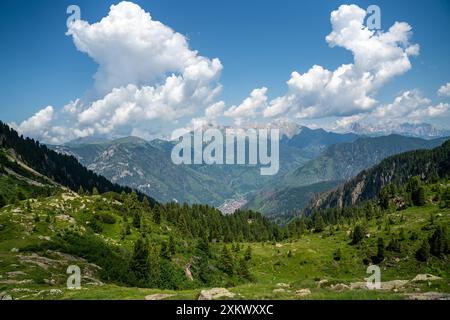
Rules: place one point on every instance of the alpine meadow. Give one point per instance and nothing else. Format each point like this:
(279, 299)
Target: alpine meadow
(226, 150)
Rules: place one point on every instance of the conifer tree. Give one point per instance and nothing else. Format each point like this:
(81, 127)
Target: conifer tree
(165, 253)
(358, 234)
(423, 253)
(439, 242)
(137, 220)
(2, 201)
(81, 191)
(172, 246)
(243, 269)
(248, 254)
(226, 261)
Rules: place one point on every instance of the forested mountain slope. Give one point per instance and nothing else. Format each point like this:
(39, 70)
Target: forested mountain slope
(397, 169)
(62, 169)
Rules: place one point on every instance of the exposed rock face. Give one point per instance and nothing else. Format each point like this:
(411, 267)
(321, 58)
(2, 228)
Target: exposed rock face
(393, 285)
(187, 271)
(358, 286)
(215, 294)
(425, 277)
(283, 285)
(322, 283)
(303, 292)
(357, 191)
(280, 290)
(4, 296)
(339, 287)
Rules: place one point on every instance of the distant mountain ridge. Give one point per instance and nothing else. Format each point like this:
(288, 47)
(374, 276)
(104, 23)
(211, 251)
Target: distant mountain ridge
(339, 162)
(147, 166)
(420, 130)
(342, 161)
(396, 169)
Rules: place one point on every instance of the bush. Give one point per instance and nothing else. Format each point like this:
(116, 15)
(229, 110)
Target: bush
(107, 218)
(337, 255)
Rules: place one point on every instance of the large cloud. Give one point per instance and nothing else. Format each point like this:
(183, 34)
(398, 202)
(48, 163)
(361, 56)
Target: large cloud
(444, 90)
(37, 125)
(351, 88)
(148, 78)
(409, 106)
(150, 82)
(132, 48)
(250, 107)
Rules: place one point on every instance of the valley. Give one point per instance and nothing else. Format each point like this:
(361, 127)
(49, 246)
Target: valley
(128, 246)
(311, 162)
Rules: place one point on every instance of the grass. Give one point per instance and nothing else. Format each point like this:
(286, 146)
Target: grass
(297, 264)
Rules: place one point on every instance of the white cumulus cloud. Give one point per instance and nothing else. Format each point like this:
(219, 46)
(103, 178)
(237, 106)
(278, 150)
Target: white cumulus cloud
(351, 88)
(250, 107)
(444, 90)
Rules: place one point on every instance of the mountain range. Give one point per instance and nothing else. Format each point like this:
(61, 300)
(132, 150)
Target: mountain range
(129, 247)
(420, 130)
(147, 166)
(339, 162)
(311, 161)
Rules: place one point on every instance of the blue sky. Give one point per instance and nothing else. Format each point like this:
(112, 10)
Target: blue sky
(259, 44)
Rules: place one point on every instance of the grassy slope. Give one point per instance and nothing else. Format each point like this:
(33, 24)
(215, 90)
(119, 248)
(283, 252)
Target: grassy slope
(311, 257)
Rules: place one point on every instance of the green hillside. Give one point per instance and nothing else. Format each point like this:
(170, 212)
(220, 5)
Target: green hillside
(41, 238)
(129, 248)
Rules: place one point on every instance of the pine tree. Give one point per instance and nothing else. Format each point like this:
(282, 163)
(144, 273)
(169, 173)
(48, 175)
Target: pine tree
(172, 245)
(81, 191)
(423, 253)
(95, 191)
(137, 220)
(139, 264)
(319, 224)
(248, 254)
(226, 261)
(28, 206)
(157, 214)
(380, 251)
(145, 203)
(2, 201)
(201, 263)
(243, 269)
(358, 234)
(439, 242)
(394, 245)
(421, 199)
(20, 195)
(337, 255)
(125, 230)
(165, 253)
(384, 198)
